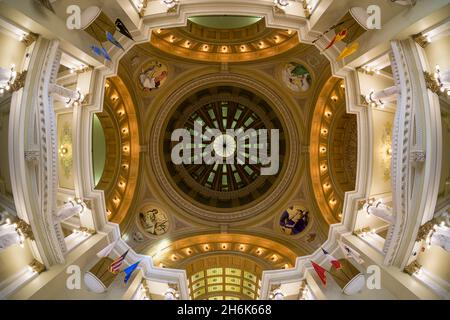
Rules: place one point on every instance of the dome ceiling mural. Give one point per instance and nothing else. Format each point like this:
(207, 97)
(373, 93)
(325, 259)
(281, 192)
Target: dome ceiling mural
(202, 117)
(224, 150)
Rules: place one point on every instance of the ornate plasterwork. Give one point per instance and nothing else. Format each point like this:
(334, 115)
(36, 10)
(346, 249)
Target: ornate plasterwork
(386, 140)
(414, 192)
(29, 39)
(24, 229)
(42, 183)
(32, 155)
(151, 221)
(37, 267)
(227, 45)
(120, 177)
(421, 40)
(177, 254)
(19, 81)
(333, 150)
(213, 214)
(65, 149)
(399, 156)
(417, 156)
(412, 268)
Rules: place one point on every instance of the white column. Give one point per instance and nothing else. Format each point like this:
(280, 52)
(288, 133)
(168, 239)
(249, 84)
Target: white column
(8, 236)
(445, 77)
(69, 210)
(65, 95)
(278, 294)
(441, 237)
(383, 96)
(170, 294)
(381, 211)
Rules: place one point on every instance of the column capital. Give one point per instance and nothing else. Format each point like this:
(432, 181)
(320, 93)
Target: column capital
(19, 81)
(37, 267)
(412, 268)
(29, 39)
(425, 229)
(25, 229)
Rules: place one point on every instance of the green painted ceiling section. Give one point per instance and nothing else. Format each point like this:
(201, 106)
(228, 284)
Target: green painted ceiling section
(224, 22)
(98, 149)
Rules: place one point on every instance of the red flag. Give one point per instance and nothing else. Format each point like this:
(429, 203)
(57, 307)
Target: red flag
(335, 262)
(320, 272)
(341, 35)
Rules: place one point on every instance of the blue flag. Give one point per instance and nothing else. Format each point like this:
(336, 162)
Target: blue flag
(105, 54)
(129, 271)
(113, 40)
(100, 52)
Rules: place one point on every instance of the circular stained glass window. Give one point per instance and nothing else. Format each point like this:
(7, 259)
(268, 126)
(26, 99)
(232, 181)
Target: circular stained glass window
(229, 141)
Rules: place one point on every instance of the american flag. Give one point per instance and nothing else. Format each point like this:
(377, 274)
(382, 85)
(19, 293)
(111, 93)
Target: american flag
(115, 265)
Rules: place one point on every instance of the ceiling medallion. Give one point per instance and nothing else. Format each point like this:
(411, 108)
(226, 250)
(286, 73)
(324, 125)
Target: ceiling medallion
(294, 220)
(153, 220)
(152, 76)
(296, 77)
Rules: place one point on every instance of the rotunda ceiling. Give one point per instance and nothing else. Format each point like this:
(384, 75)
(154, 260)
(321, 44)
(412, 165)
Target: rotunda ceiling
(227, 110)
(205, 141)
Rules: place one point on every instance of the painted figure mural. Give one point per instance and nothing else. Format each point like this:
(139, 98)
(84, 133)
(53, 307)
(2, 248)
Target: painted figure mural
(296, 77)
(152, 76)
(154, 221)
(294, 220)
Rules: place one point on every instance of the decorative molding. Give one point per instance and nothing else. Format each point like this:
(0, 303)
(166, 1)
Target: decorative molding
(433, 84)
(29, 39)
(414, 192)
(365, 70)
(425, 229)
(19, 81)
(363, 100)
(173, 10)
(32, 155)
(400, 141)
(412, 268)
(306, 9)
(417, 156)
(34, 118)
(173, 286)
(89, 204)
(305, 149)
(360, 231)
(87, 230)
(277, 10)
(421, 40)
(141, 12)
(202, 43)
(25, 229)
(37, 267)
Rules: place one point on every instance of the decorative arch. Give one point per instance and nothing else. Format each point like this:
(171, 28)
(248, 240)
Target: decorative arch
(120, 177)
(333, 146)
(268, 253)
